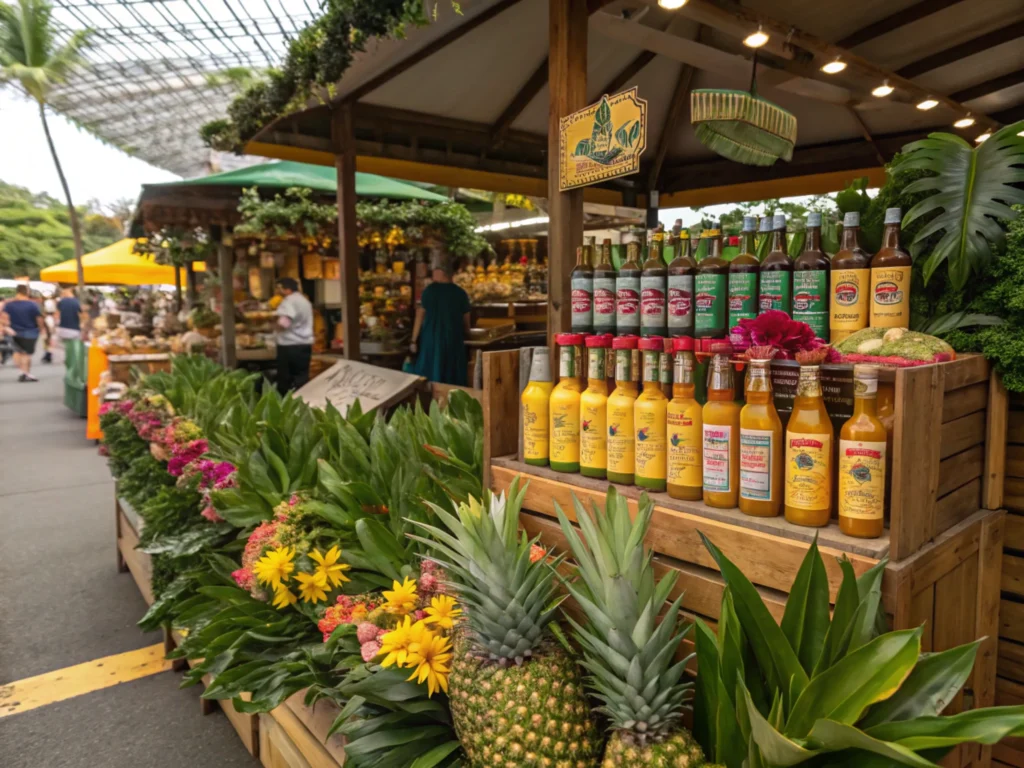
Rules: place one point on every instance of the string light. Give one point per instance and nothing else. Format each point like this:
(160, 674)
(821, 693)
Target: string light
(984, 137)
(672, 5)
(928, 103)
(756, 39)
(882, 90)
(964, 122)
(834, 67)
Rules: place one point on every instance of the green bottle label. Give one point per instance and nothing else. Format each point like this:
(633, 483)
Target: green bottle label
(711, 305)
(777, 291)
(810, 300)
(742, 297)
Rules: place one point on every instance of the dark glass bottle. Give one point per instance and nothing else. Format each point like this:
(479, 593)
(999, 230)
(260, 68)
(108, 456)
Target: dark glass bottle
(680, 288)
(777, 271)
(653, 290)
(582, 281)
(810, 281)
(850, 280)
(604, 290)
(890, 278)
(712, 290)
(743, 274)
(627, 291)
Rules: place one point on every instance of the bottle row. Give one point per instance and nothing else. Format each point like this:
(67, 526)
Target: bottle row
(726, 453)
(835, 295)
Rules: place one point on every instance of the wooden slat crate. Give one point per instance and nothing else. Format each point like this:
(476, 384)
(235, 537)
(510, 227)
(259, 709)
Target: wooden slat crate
(295, 736)
(139, 564)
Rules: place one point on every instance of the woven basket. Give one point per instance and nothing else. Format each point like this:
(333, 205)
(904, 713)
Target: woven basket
(742, 126)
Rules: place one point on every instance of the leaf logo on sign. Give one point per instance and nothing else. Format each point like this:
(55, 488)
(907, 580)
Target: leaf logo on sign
(599, 147)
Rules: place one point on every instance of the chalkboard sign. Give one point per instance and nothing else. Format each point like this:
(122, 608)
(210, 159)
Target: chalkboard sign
(836, 390)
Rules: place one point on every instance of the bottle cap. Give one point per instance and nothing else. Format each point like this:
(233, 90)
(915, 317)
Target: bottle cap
(779, 221)
(568, 339)
(540, 366)
(721, 347)
(714, 232)
(625, 342)
(766, 224)
(599, 341)
(893, 216)
(684, 234)
(851, 219)
(813, 219)
(652, 344)
(749, 223)
(683, 344)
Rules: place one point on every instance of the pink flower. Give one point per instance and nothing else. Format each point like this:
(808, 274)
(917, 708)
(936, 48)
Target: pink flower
(366, 632)
(294, 500)
(211, 514)
(125, 406)
(104, 450)
(244, 578)
(369, 651)
(427, 566)
(106, 408)
(775, 328)
(420, 615)
(537, 552)
(428, 583)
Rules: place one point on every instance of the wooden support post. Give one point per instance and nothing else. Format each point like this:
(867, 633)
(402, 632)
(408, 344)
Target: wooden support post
(997, 422)
(348, 248)
(567, 83)
(190, 285)
(225, 261)
(990, 568)
(177, 290)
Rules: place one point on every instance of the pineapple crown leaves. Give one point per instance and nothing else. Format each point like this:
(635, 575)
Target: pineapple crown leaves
(511, 600)
(628, 652)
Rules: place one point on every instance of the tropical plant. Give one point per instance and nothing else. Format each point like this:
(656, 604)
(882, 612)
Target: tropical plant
(630, 645)
(32, 58)
(510, 595)
(829, 690)
(971, 188)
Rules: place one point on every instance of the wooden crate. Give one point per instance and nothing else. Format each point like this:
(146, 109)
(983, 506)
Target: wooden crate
(295, 736)
(122, 367)
(127, 527)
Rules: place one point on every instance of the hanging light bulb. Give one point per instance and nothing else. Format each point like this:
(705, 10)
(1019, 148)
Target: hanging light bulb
(984, 137)
(834, 67)
(928, 103)
(756, 39)
(964, 122)
(672, 5)
(882, 90)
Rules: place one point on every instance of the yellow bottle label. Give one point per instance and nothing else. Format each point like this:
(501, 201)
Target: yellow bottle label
(861, 479)
(684, 446)
(756, 468)
(565, 431)
(621, 445)
(849, 299)
(535, 428)
(651, 439)
(808, 485)
(717, 474)
(593, 431)
(890, 297)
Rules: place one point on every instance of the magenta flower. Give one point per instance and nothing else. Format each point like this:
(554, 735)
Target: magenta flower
(366, 632)
(369, 651)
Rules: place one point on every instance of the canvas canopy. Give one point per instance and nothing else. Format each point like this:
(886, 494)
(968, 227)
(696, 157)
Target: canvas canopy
(117, 264)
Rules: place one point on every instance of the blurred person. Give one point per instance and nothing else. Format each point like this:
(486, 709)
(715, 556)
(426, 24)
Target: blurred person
(25, 323)
(294, 336)
(441, 327)
(50, 326)
(69, 316)
(6, 349)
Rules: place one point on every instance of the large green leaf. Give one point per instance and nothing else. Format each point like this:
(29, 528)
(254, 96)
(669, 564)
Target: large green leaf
(972, 189)
(870, 674)
(806, 619)
(830, 736)
(847, 600)
(776, 749)
(986, 726)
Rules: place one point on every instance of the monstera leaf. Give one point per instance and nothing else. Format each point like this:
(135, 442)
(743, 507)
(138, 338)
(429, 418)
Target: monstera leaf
(971, 191)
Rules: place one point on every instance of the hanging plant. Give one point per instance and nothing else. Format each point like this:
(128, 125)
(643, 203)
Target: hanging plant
(176, 246)
(293, 213)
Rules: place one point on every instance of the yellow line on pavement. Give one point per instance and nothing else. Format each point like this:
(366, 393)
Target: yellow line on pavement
(61, 684)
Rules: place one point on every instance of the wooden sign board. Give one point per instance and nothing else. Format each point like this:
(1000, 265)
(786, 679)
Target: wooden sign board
(348, 380)
(602, 141)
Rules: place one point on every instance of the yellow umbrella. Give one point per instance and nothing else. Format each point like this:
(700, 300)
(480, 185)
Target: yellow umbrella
(116, 264)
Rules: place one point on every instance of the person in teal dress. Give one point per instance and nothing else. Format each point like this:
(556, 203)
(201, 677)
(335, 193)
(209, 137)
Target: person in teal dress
(441, 327)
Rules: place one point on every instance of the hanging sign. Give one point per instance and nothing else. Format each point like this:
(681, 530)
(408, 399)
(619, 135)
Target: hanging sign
(602, 141)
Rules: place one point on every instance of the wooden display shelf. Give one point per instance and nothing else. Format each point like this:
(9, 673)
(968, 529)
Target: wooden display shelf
(138, 563)
(295, 736)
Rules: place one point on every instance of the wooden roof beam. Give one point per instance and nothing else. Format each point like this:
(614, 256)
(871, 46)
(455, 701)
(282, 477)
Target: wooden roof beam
(893, 21)
(989, 86)
(677, 108)
(982, 43)
(867, 134)
(519, 102)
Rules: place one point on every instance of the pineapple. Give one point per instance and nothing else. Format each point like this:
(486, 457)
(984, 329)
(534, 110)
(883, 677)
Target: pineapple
(630, 654)
(516, 694)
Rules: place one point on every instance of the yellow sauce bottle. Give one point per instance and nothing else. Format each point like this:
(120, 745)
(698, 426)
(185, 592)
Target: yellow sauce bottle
(594, 410)
(649, 420)
(862, 453)
(535, 409)
(851, 277)
(760, 445)
(721, 434)
(685, 469)
(564, 408)
(619, 413)
(809, 454)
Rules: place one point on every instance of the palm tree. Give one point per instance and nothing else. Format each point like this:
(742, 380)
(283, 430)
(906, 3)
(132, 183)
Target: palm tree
(32, 58)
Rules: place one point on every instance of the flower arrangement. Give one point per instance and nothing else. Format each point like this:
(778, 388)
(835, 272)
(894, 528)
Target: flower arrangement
(150, 415)
(775, 328)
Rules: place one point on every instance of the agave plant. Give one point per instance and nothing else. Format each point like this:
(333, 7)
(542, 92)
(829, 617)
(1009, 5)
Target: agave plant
(833, 691)
(972, 189)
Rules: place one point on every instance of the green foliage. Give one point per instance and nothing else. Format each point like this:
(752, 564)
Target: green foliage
(452, 223)
(176, 246)
(292, 213)
(827, 690)
(32, 55)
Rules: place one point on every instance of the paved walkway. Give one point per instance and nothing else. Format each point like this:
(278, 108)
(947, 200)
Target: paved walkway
(63, 603)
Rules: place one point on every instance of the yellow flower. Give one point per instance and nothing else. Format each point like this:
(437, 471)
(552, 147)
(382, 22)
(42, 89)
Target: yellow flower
(442, 611)
(329, 565)
(401, 598)
(283, 597)
(275, 566)
(312, 587)
(430, 658)
(405, 638)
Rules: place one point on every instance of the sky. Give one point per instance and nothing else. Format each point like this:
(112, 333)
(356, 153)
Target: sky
(94, 170)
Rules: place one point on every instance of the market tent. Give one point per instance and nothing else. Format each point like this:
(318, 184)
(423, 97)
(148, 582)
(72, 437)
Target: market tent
(117, 264)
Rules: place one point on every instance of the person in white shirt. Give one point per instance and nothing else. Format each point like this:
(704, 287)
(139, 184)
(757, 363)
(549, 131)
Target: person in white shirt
(49, 318)
(294, 336)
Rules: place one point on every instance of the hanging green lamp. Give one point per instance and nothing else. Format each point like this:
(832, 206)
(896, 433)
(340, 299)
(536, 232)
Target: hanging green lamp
(742, 126)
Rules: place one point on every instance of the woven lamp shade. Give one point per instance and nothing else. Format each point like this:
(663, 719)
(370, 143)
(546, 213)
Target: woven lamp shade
(742, 126)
